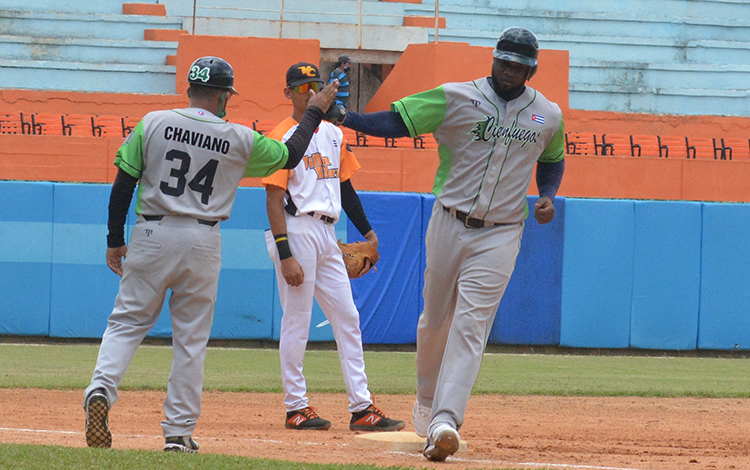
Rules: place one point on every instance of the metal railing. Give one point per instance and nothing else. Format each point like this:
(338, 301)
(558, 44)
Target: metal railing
(281, 11)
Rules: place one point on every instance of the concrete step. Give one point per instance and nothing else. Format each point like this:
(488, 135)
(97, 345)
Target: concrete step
(666, 25)
(320, 11)
(94, 26)
(685, 101)
(80, 76)
(623, 48)
(111, 7)
(86, 50)
(644, 8)
(634, 77)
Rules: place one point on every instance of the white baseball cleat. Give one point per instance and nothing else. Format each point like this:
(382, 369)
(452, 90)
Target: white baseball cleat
(420, 418)
(443, 442)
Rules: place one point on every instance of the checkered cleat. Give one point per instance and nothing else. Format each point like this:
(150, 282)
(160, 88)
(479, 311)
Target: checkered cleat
(372, 419)
(443, 442)
(306, 419)
(97, 426)
(181, 444)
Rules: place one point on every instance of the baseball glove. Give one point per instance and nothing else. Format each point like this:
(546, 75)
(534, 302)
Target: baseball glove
(359, 257)
(336, 114)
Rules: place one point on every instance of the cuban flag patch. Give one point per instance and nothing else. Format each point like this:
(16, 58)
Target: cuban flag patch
(537, 118)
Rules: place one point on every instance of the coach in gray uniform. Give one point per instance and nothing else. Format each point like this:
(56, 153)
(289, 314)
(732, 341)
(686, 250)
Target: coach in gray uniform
(491, 132)
(189, 163)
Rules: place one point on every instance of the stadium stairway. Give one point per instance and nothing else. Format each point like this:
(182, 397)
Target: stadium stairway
(84, 46)
(668, 57)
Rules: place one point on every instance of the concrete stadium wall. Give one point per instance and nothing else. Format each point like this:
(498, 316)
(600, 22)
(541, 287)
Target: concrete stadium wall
(617, 273)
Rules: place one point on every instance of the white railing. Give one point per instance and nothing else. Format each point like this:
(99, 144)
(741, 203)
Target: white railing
(281, 11)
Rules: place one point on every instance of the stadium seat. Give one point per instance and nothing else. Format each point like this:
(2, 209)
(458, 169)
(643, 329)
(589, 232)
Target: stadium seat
(736, 148)
(108, 126)
(128, 123)
(673, 146)
(78, 125)
(617, 145)
(702, 148)
(11, 124)
(47, 123)
(580, 143)
(646, 145)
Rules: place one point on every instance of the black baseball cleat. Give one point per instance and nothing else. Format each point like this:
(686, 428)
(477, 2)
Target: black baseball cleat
(306, 419)
(181, 444)
(97, 416)
(373, 419)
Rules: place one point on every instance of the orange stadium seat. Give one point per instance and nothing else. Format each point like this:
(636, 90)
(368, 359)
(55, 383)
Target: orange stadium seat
(580, 143)
(426, 141)
(702, 147)
(736, 148)
(645, 145)
(108, 126)
(78, 125)
(673, 146)
(265, 126)
(47, 124)
(617, 145)
(128, 123)
(11, 124)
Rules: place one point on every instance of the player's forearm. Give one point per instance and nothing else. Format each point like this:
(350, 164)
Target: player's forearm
(548, 178)
(277, 219)
(352, 205)
(119, 203)
(380, 124)
(298, 142)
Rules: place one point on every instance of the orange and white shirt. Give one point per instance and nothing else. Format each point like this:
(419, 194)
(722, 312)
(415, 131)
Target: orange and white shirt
(315, 184)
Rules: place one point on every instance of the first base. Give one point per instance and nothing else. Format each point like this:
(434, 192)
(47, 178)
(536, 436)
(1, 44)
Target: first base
(396, 441)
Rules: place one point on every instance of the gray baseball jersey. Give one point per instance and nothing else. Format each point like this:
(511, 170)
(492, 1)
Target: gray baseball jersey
(195, 162)
(487, 147)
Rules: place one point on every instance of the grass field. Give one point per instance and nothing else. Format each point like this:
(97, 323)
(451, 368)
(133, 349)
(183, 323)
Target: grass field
(69, 366)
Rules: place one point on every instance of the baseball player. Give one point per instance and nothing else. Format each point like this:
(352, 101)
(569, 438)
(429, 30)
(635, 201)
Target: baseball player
(303, 204)
(491, 133)
(189, 163)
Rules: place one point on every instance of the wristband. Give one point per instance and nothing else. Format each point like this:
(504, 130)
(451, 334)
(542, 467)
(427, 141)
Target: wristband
(282, 244)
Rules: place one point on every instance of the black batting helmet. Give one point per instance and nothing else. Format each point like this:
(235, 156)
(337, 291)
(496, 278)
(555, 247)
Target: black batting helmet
(518, 45)
(212, 72)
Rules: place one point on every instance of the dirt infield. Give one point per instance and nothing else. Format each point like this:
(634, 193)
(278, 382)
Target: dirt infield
(501, 431)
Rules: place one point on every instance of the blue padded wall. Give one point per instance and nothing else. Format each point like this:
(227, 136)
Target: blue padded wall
(597, 273)
(529, 312)
(666, 275)
(725, 277)
(25, 257)
(83, 287)
(388, 299)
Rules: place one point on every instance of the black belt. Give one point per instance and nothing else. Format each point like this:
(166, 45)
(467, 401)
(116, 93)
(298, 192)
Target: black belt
(210, 223)
(324, 218)
(469, 222)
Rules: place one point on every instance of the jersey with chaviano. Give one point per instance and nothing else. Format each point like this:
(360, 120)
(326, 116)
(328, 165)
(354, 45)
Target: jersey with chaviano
(487, 146)
(194, 168)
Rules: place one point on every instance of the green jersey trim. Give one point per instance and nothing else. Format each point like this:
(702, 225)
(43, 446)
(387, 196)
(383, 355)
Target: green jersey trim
(423, 113)
(129, 156)
(555, 151)
(266, 157)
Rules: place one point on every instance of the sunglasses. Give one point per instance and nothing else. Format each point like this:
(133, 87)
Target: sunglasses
(315, 86)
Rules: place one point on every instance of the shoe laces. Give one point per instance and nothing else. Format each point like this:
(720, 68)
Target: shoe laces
(308, 413)
(376, 410)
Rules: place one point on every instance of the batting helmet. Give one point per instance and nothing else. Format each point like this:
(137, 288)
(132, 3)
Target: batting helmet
(518, 45)
(212, 72)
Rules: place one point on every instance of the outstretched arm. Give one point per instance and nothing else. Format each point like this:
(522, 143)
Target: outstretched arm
(379, 124)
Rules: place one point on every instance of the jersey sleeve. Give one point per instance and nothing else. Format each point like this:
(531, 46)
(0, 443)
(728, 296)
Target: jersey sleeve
(349, 163)
(423, 113)
(130, 154)
(555, 151)
(266, 157)
(280, 179)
